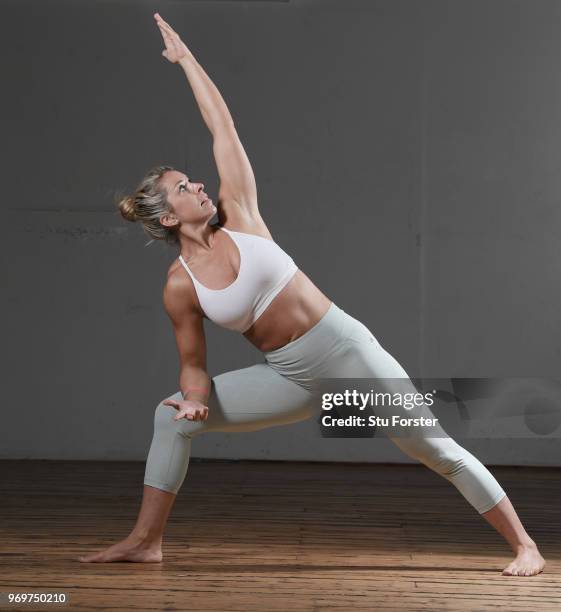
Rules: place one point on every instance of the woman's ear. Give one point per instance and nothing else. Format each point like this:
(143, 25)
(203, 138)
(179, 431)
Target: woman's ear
(169, 220)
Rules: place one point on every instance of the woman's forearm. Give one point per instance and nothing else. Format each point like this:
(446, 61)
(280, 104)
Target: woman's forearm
(194, 383)
(212, 105)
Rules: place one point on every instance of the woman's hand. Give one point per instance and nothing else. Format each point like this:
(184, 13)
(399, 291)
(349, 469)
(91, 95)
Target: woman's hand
(175, 47)
(189, 409)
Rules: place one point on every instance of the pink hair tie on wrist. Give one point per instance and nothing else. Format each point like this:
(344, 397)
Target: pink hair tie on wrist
(193, 389)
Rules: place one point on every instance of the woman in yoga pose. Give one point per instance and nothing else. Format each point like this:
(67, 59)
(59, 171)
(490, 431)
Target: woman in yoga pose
(237, 276)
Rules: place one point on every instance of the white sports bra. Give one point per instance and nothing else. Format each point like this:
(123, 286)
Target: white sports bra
(264, 270)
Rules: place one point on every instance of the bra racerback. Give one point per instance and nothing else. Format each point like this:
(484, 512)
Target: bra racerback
(264, 270)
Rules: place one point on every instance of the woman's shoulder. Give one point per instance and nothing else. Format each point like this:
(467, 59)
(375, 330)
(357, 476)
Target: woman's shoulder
(179, 291)
(173, 269)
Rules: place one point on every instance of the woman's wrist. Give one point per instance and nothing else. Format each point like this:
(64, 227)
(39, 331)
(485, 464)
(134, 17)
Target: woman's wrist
(187, 60)
(200, 394)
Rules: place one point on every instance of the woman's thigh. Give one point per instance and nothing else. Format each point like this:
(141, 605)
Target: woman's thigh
(366, 359)
(249, 399)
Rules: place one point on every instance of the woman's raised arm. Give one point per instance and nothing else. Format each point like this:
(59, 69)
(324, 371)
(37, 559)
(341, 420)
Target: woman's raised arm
(237, 181)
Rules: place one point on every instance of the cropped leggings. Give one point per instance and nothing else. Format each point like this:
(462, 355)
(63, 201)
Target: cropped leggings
(280, 391)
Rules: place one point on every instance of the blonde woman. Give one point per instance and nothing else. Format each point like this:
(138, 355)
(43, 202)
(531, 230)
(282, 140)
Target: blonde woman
(237, 276)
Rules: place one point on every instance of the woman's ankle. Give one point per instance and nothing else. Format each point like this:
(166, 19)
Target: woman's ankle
(146, 537)
(525, 543)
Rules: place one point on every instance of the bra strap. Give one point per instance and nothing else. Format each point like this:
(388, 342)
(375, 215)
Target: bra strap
(184, 264)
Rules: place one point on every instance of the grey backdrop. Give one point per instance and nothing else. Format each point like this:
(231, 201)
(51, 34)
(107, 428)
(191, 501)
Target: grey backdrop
(406, 154)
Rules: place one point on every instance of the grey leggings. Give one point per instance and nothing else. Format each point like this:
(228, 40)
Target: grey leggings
(280, 391)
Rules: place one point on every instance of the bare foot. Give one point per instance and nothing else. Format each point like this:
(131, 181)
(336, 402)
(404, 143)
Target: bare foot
(527, 562)
(130, 549)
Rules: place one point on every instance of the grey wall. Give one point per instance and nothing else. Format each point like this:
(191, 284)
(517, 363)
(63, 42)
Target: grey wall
(406, 154)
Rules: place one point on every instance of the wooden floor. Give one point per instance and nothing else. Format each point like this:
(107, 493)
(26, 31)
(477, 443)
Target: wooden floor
(272, 536)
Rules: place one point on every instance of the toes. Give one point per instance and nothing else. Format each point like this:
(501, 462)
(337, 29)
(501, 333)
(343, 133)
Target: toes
(513, 569)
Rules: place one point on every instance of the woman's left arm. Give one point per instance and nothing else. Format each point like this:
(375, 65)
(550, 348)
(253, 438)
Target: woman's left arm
(237, 181)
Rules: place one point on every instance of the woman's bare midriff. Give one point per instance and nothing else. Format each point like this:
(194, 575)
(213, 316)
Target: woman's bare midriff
(297, 308)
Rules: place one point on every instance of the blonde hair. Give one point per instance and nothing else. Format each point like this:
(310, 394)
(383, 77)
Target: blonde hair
(147, 204)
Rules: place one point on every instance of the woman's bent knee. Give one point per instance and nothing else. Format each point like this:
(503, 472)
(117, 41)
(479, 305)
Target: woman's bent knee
(443, 455)
(164, 420)
(163, 417)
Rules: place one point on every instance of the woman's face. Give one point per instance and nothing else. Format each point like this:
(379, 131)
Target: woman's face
(188, 200)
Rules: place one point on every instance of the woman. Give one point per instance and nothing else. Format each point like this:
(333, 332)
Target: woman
(237, 276)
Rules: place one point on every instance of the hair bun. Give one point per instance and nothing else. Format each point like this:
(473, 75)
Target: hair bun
(126, 206)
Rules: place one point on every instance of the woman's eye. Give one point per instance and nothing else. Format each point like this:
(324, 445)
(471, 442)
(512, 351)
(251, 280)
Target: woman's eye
(180, 186)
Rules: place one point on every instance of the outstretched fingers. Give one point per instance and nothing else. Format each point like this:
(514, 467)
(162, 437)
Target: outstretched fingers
(199, 414)
(164, 25)
(175, 49)
(165, 35)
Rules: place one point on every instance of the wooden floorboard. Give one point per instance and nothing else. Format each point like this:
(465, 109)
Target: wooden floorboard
(273, 536)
